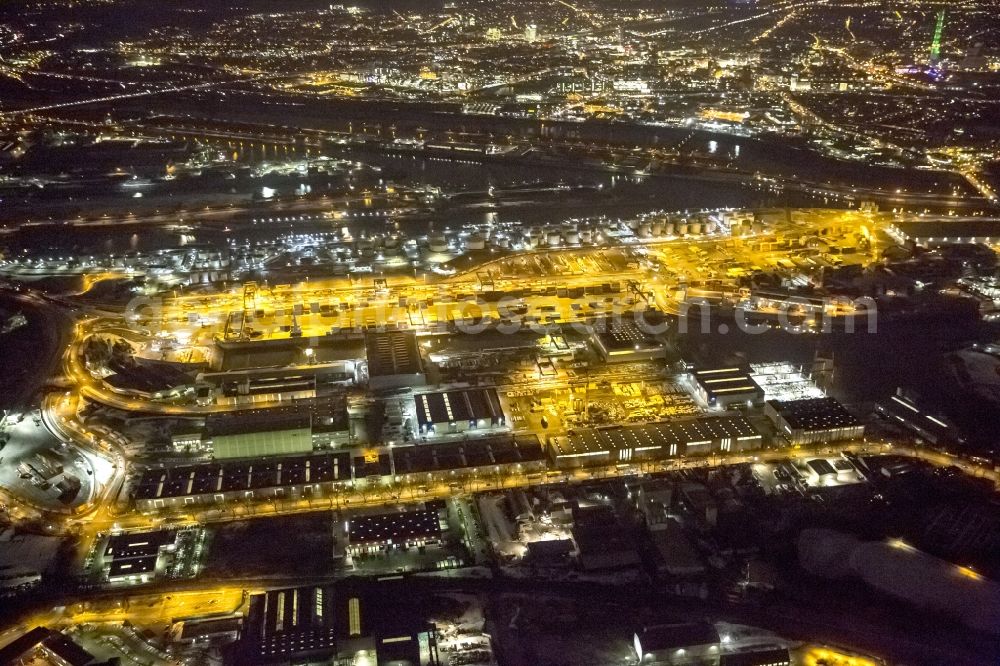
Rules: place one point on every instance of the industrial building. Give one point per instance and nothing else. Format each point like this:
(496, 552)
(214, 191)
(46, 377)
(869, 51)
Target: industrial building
(676, 644)
(777, 300)
(602, 542)
(254, 433)
(130, 556)
(318, 473)
(459, 410)
(47, 646)
(653, 441)
(675, 555)
(241, 385)
(722, 388)
(502, 454)
(217, 482)
(813, 420)
(827, 472)
(393, 360)
(905, 409)
(407, 529)
(620, 340)
(351, 622)
(930, 234)
(258, 433)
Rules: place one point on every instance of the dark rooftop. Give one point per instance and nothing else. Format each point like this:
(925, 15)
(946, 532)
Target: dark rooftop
(814, 414)
(673, 636)
(276, 472)
(395, 527)
(132, 566)
(294, 624)
(392, 353)
(622, 335)
(473, 404)
(141, 544)
(955, 230)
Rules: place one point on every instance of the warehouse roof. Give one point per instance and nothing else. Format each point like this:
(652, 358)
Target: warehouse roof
(481, 452)
(649, 436)
(236, 475)
(725, 382)
(306, 623)
(953, 229)
(813, 414)
(257, 420)
(395, 527)
(281, 471)
(472, 404)
(673, 636)
(392, 353)
(137, 544)
(132, 566)
(63, 647)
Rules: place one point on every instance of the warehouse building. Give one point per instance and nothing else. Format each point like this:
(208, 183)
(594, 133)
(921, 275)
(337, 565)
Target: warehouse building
(813, 420)
(722, 388)
(675, 644)
(930, 234)
(258, 433)
(254, 433)
(47, 646)
(318, 474)
(621, 340)
(228, 480)
(352, 622)
(654, 441)
(602, 541)
(393, 360)
(400, 530)
(675, 554)
(134, 556)
(456, 411)
(905, 408)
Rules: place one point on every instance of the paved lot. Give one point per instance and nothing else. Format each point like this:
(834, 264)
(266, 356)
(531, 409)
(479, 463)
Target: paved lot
(30, 464)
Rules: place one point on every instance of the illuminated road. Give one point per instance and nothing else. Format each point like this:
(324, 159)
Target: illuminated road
(125, 96)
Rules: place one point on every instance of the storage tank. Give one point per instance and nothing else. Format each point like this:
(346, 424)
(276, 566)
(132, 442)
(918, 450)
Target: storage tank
(438, 243)
(658, 228)
(586, 236)
(694, 228)
(757, 227)
(682, 228)
(633, 224)
(475, 241)
(554, 239)
(572, 238)
(645, 230)
(669, 229)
